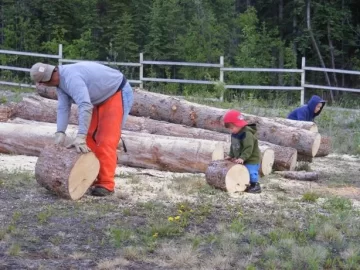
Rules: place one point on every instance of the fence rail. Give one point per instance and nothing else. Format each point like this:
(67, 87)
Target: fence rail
(220, 66)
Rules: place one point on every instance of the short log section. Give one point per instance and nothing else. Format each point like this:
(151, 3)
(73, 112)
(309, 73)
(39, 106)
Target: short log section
(65, 172)
(227, 176)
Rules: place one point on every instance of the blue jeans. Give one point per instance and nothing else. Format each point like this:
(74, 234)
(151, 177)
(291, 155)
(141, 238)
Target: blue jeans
(128, 99)
(253, 171)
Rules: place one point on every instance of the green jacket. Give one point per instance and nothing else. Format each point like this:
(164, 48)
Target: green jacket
(245, 145)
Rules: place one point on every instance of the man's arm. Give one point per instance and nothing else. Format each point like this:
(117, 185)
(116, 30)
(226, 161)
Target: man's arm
(63, 111)
(80, 94)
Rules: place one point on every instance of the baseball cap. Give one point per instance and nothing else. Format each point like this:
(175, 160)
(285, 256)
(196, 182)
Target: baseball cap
(235, 117)
(41, 72)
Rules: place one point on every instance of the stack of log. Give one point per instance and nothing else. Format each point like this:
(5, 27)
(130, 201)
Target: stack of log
(165, 133)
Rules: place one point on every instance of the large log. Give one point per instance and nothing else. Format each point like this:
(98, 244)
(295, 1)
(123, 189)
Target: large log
(325, 147)
(174, 110)
(65, 172)
(40, 109)
(6, 112)
(311, 126)
(145, 151)
(227, 176)
(299, 175)
(45, 91)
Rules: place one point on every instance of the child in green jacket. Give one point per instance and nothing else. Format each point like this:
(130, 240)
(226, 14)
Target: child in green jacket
(244, 147)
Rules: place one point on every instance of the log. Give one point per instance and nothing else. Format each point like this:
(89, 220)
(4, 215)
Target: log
(40, 109)
(227, 176)
(65, 172)
(267, 157)
(285, 157)
(174, 110)
(6, 112)
(144, 150)
(325, 147)
(46, 92)
(299, 175)
(303, 158)
(311, 126)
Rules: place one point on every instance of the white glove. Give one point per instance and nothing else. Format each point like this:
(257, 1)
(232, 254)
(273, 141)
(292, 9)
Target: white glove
(60, 138)
(80, 144)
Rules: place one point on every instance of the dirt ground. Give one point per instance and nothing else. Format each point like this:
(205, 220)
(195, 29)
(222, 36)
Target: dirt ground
(136, 228)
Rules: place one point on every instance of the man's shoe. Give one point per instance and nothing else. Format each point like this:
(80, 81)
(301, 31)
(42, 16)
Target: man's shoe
(101, 192)
(253, 188)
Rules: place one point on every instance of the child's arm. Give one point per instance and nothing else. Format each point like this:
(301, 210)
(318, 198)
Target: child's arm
(231, 154)
(248, 146)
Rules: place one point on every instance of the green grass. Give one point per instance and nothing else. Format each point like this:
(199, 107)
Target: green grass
(310, 197)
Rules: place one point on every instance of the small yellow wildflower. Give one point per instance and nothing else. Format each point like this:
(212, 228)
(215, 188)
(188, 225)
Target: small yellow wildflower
(191, 210)
(180, 211)
(155, 235)
(240, 214)
(170, 219)
(182, 206)
(177, 217)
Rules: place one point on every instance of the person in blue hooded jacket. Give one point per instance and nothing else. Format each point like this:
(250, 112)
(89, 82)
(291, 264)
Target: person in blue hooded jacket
(309, 111)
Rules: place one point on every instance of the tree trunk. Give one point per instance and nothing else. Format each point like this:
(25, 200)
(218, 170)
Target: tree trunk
(285, 157)
(303, 158)
(66, 172)
(332, 54)
(170, 109)
(47, 92)
(227, 176)
(311, 126)
(281, 48)
(316, 47)
(299, 175)
(325, 147)
(5, 112)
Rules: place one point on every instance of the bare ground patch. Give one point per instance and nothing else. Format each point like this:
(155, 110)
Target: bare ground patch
(161, 220)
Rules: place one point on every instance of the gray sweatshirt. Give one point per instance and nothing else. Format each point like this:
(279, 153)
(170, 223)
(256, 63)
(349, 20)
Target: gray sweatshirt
(86, 84)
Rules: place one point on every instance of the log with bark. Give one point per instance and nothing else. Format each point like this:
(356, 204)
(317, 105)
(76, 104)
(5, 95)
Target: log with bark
(46, 91)
(5, 112)
(299, 175)
(325, 147)
(303, 158)
(174, 110)
(40, 109)
(227, 176)
(311, 126)
(65, 172)
(267, 157)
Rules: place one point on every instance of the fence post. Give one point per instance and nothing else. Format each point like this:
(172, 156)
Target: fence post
(141, 72)
(302, 98)
(221, 79)
(60, 53)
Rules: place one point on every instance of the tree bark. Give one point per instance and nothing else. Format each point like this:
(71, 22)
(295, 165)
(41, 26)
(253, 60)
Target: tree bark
(311, 126)
(47, 92)
(332, 54)
(325, 147)
(285, 157)
(303, 158)
(173, 110)
(316, 47)
(299, 175)
(5, 112)
(65, 172)
(227, 176)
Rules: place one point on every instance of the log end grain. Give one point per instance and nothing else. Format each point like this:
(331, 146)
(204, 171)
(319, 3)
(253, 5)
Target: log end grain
(267, 161)
(316, 144)
(227, 176)
(65, 172)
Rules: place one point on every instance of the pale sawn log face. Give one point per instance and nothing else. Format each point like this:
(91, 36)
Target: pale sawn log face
(55, 168)
(227, 176)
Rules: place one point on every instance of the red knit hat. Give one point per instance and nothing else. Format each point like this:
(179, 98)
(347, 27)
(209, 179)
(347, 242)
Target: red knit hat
(235, 117)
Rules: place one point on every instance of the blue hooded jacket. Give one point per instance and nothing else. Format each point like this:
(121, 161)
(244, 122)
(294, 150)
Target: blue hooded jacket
(306, 112)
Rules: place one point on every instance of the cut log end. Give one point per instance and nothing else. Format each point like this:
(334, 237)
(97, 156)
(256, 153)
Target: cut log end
(65, 172)
(83, 175)
(227, 176)
(267, 161)
(316, 145)
(314, 128)
(218, 153)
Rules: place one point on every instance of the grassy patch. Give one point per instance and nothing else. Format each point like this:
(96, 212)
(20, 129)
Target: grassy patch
(310, 197)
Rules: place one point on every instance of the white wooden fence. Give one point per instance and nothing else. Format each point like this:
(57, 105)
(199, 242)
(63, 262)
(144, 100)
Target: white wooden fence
(222, 69)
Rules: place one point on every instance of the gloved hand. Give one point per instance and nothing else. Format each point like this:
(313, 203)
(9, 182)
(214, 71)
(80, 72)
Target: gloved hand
(80, 144)
(59, 138)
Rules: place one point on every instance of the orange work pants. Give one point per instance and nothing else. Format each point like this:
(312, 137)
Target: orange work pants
(103, 138)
